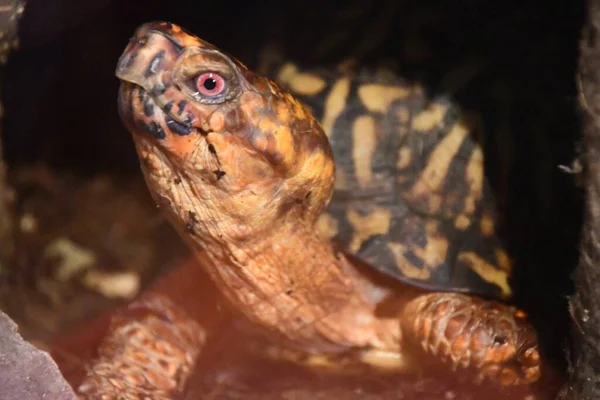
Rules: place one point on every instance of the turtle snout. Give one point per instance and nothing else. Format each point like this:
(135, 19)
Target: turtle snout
(139, 68)
(148, 53)
(149, 103)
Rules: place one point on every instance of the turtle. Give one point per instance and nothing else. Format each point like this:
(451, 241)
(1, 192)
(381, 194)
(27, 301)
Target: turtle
(260, 189)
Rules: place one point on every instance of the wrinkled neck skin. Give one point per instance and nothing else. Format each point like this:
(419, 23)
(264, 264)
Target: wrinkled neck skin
(284, 278)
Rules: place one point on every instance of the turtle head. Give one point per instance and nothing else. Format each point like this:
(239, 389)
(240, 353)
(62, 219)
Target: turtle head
(222, 148)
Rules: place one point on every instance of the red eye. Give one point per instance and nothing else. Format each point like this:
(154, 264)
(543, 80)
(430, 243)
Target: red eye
(210, 84)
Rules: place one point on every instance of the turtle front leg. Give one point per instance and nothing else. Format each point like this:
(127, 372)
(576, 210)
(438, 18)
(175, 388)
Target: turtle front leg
(149, 351)
(148, 348)
(485, 340)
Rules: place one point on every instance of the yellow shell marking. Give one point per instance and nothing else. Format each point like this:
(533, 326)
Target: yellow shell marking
(436, 246)
(404, 157)
(429, 118)
(487, 224)
(286, 73)
(307, 84)
(377, 98)
(335, 104)
(503, 260)
(429, 184)
(364, 137)
(375, 223)
(433, 254)
(407, 268)
(486, 271)
(462, 222)
(474, 178)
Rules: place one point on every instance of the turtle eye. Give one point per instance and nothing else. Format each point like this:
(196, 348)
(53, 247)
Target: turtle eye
(210, 84)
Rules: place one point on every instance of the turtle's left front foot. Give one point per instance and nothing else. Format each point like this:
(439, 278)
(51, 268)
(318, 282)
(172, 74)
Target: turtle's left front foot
(486, 339)
(149, 352)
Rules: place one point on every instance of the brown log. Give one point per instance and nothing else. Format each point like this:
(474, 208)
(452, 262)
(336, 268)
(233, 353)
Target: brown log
(584, 354)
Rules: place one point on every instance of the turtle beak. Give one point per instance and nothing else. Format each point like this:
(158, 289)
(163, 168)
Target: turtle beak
(142, 69)
(149, 52)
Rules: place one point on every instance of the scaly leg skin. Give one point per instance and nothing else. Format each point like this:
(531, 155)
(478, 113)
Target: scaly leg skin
(487, 340)
(149, 352)
(148, 348)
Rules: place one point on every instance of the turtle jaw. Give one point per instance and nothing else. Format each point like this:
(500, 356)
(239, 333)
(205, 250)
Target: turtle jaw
(147, 90)
(139, 111)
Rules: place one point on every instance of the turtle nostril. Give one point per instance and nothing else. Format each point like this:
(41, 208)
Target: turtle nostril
(499, 340)
(142, 41)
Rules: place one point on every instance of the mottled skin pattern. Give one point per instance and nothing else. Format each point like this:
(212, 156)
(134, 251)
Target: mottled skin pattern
(244, 175)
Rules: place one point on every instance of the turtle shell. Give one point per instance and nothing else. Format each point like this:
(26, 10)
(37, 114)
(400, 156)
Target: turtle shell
(411, 198)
